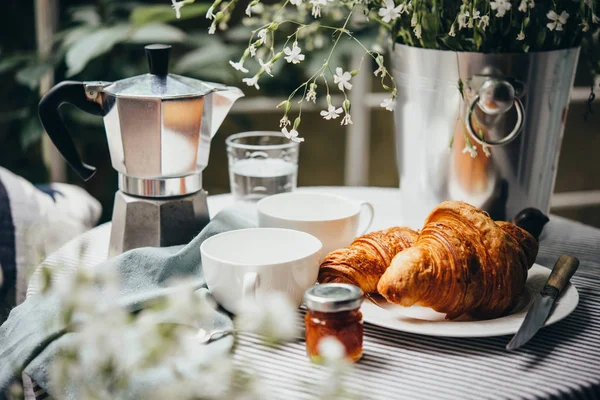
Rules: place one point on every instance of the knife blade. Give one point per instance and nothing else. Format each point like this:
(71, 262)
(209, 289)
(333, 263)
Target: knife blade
(560, 276)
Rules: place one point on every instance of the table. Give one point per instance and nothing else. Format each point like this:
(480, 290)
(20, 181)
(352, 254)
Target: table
(562, 361)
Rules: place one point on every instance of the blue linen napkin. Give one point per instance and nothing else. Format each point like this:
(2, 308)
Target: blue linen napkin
(32, 334)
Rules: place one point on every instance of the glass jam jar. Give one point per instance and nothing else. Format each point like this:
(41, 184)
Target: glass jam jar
(333, 309)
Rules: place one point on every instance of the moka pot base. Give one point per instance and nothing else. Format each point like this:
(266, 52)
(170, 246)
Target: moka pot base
(160, 220)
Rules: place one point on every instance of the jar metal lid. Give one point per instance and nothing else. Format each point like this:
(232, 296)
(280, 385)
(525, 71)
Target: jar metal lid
(333, 297)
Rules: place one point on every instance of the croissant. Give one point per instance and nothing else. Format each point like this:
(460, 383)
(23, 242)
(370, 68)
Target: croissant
(462, 263)
(367, 258)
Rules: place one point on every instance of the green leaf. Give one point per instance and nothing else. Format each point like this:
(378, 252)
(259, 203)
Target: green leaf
(207, 62)
(13, 115)
(157, 33)
(31, 75)
(89, 47)
(86, 15)
(31, 133)
(11, 62)
(164, 13)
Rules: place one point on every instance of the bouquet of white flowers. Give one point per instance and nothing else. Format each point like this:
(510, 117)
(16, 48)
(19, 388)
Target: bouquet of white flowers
(283, 29)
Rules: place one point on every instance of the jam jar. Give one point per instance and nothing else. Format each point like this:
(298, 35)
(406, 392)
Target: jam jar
(333, 309)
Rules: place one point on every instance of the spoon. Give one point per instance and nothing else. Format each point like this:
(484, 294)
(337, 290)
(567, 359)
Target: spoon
(205, 337)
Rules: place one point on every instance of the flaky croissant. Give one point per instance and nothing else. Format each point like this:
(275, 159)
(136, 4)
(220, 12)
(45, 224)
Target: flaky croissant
(462, 263)
(367, 258)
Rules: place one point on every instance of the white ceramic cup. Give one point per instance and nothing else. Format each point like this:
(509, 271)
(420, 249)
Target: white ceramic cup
(250, 262)
(333, 219)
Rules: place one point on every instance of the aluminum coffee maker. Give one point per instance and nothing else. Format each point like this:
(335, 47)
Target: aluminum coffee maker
(159, 127)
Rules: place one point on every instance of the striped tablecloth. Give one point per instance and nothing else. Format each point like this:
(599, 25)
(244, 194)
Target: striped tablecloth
(562, 361)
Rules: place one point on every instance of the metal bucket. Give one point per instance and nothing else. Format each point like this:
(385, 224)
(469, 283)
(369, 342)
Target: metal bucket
(512, 112)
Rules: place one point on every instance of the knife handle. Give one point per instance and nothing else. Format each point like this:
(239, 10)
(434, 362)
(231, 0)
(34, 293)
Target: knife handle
(562, 272)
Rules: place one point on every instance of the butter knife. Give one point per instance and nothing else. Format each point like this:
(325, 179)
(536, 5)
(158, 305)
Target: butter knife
(560, 276)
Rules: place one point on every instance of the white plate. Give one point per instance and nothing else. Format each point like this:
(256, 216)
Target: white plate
(425, 321)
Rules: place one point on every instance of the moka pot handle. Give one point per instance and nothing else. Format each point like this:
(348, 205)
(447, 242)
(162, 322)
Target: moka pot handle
(70, 92)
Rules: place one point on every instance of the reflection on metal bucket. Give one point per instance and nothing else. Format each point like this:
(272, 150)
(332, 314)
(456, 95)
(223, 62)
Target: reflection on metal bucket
(496, 144)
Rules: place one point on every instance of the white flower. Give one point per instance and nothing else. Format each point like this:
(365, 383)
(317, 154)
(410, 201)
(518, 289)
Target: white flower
(262, 35)
(347, 120)
(312, 93)
(292, 135)
(254, 8)
(476, 14)
(381, 70)
(342, 79)
(462, 20)
(501, 7)
(252, 81)
(177, 7)
(452, 31)
(472, 150)
(521, 36)
(523, 6)
(252, 50)
(297, 3)
(556, 21)
(209, 13)
(212, 29)
(316, 7)
(239, 66)
(332, 112)
(283, 122)
(266, 66)
(388, 104)
(413, 20)
(484, 22)
(294, 55)
(331, 349)
(273, 314)
(417, 31)
(389, 12)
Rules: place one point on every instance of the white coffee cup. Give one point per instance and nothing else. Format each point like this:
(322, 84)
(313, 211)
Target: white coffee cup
(333, 219)
(248, 263)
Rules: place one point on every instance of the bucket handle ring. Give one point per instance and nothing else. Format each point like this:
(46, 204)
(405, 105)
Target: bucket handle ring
(508, 138)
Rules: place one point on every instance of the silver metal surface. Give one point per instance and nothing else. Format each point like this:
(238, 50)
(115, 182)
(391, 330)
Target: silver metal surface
(146, 222)
(160, 187)
(333, 297)
(534, 320)
(496, 96)
(153, 137)
(149, 86)
(430, 114)
(506, 139)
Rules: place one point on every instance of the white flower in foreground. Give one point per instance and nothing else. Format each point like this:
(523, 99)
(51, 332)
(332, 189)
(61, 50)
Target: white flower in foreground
(312, 93)
(252, 81)
(316, 7)
(212, 29)
(266, 66)
(294, 55)
(297, 3)
(252, 50)
(417, 31)
(347, 120)
(331, 112)
(342, 79)
(523, 6)
(462, 20)
(331, 349)
(292, 135)
(484, 22)
(210, 14)
(476, 15)
(239, 66)
(177, 7)
(472, 150)
(262, 35)
(381, 70)
(388, 104)
(389, 12)
(501, 7)
(556, 21)
(521, 36)
(452, 31)
(254, 7)
(283, 122)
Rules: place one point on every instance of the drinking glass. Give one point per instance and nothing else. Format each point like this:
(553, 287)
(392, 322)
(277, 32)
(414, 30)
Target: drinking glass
(261, 164)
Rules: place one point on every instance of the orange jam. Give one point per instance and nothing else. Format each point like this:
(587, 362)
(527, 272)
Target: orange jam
(333, 310)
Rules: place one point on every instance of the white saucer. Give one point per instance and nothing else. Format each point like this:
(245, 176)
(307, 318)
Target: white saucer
(425, 321)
